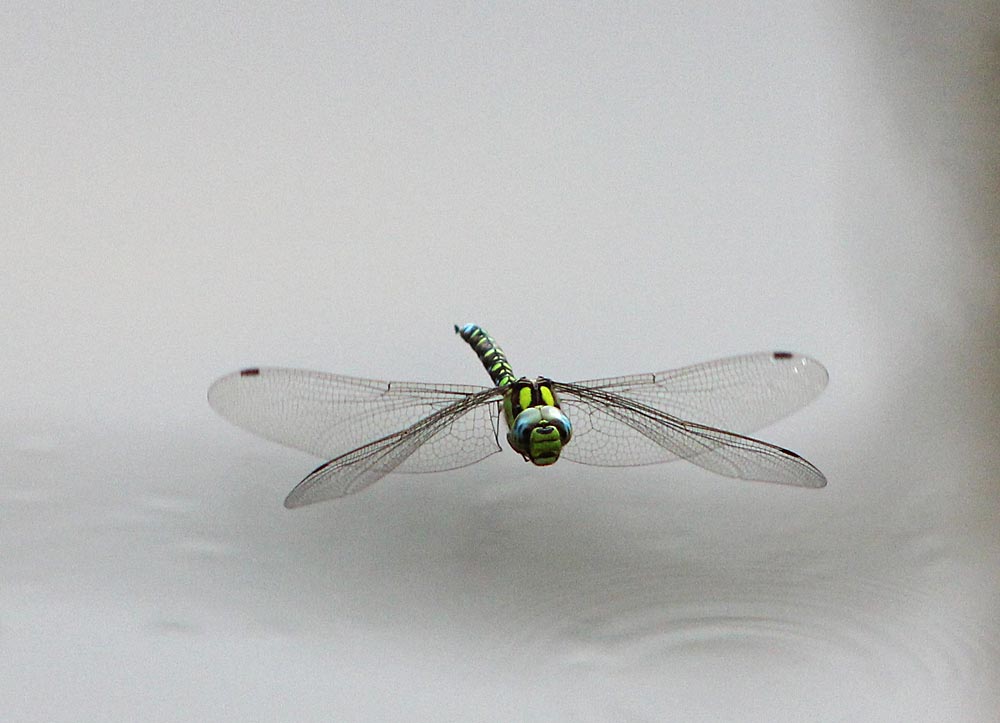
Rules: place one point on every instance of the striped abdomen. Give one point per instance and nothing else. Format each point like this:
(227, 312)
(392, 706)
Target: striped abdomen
(489, 353)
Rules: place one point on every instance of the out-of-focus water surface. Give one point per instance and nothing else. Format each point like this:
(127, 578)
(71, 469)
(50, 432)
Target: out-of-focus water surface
(192, 190)
(489, 594)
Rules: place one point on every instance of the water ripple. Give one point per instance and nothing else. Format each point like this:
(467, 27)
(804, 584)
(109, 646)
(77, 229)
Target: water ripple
(879, 636)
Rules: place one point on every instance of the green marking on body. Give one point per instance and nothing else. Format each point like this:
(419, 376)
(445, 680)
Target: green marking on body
(491, 355)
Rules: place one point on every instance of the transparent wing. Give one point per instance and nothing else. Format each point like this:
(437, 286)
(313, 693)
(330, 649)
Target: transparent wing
(458, 435)
(740, 393)
(329, 415)
(644, 419)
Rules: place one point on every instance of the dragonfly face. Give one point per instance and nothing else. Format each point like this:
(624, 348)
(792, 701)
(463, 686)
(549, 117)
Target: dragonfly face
(538, 427)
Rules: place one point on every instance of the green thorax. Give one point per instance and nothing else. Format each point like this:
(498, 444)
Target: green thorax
(538, 429)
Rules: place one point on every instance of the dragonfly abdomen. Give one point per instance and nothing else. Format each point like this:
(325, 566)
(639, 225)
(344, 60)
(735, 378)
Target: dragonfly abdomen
(489, 353)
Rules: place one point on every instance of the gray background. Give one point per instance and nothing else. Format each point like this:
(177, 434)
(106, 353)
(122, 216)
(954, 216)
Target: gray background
(607, 189)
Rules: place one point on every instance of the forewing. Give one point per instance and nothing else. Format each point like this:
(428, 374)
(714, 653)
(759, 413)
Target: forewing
(602, 435)
(327, 414)
(456, 436)
(610, 430)
(740, 393)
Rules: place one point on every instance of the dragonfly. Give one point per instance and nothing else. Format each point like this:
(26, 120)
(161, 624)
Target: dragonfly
(368, 428)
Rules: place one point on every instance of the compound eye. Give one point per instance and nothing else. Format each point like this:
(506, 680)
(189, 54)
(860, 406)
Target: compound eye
(525, 422)
(555, 417)
(565, 431)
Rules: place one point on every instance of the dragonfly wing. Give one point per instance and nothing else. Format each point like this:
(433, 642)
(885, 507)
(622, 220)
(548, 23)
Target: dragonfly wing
(741, 393)
(734, 455)
(466, 433)
(610, 430)
(602, 437)
(326, 414)
(456, 436)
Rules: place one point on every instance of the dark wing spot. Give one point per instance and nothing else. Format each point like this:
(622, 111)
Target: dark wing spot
(783, 355)
(250, 372)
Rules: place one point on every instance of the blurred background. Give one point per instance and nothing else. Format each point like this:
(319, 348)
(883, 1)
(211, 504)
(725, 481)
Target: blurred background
(189, 189)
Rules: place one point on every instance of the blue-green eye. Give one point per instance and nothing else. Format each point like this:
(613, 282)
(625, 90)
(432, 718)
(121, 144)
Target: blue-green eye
(525, 422)
(555, 417)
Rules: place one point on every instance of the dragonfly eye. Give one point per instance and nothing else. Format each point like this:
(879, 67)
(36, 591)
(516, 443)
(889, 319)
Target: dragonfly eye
(555, 417)
(520, 433)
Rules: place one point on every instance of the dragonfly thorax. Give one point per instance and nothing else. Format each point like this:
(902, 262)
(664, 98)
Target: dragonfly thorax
(538, 427)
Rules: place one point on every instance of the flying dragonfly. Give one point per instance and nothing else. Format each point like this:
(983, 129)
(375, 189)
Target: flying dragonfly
(368, 428)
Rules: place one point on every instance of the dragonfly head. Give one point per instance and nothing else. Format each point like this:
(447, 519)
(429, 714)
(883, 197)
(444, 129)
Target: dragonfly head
(540, 433)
